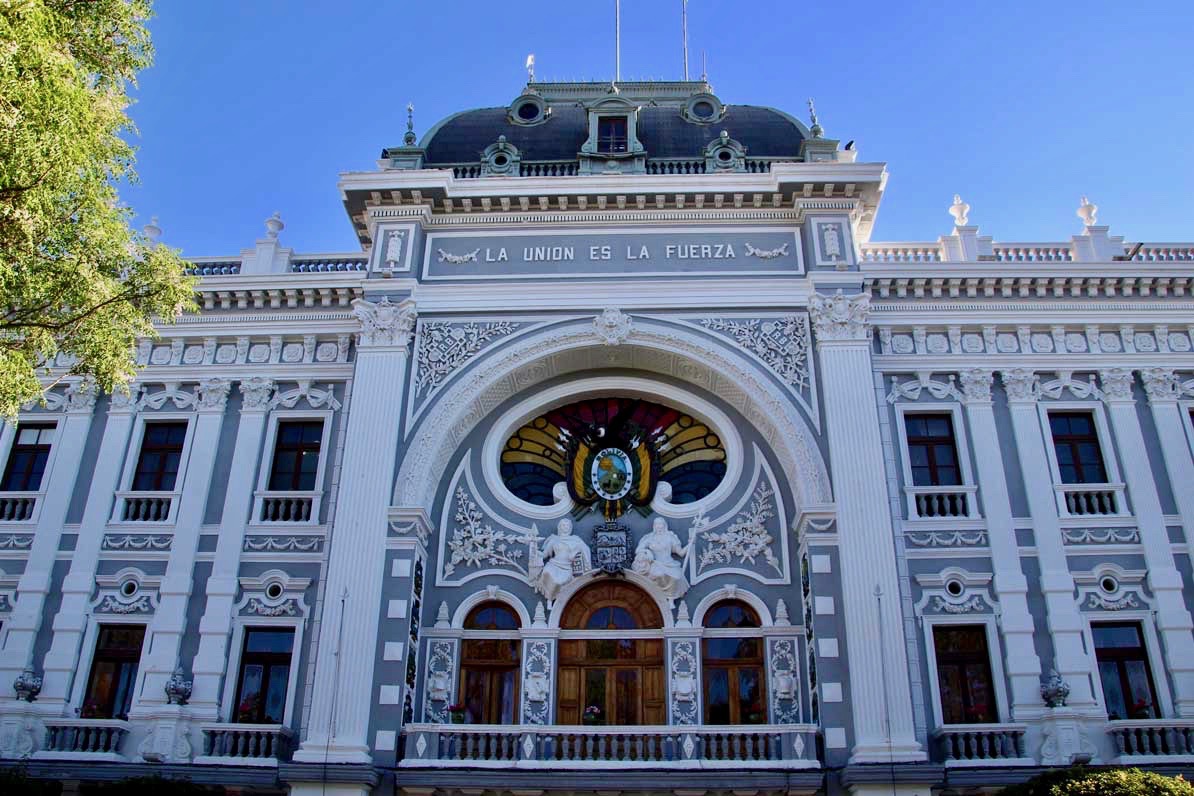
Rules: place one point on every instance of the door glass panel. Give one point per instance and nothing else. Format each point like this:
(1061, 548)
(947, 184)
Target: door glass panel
(717, 699)
(1112, 691)
(750, 698)
(595, 693)
(250, 692)
(1142, 696)
(275, 698)
(626, 696)
(474, 695)
(506, 711)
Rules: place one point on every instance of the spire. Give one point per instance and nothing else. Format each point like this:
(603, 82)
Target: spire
(815, 129)
(410, 137)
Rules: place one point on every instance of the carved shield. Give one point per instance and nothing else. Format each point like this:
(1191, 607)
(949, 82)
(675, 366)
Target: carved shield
(611, 547)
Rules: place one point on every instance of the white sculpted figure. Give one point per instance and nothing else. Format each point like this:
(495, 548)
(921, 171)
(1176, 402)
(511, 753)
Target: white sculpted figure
(562, 558)
(661, 558)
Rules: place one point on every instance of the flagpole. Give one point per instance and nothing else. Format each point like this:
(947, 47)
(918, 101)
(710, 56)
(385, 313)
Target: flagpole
(684, 29)
(617, 41)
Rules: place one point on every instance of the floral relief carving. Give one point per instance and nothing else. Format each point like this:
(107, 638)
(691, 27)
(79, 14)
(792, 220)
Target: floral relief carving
(1021, 384)
(767, 254)
(745, 539)
(973, 604)
(1161, 384)
(441, 659)
(283, 544)
(536, 673)
(1112, 604)
(976, 385)
(947, 538)
(445, 347)
(684, 686)
(1116, 384)
(780, 342)
(260, 608)
(782, 677)
(476, 543)
(457, 259)
(111, 605)
(255, 393)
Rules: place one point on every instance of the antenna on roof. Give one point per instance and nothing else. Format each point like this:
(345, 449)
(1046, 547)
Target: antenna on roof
(617, 40)
(530, 67)
(684, 33)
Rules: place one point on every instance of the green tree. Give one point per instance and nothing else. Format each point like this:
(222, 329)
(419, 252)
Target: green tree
(75, 280)
(1106, 782)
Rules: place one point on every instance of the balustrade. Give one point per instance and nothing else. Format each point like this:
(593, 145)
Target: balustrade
(86, 738)
(901, 252)
(1152, 738)
(767, 746)
(1033, 252)
(1082, 500)
(17, 506)
(245, 744)
(981, 744)
(285, 507)
(932, 502)
(144, 506)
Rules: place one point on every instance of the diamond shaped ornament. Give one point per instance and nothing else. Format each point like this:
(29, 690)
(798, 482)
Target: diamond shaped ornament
(688, 746)
(798, 745)
(528, 747)
(421, 745)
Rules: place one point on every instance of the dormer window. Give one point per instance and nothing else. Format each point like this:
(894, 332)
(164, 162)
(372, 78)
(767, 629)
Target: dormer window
(611, 134)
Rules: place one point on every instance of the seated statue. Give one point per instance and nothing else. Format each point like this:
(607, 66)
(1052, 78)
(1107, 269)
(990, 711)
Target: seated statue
(561, 559)
(661, 558)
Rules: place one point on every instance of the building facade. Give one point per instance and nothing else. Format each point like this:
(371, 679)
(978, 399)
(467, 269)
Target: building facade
(619, 447)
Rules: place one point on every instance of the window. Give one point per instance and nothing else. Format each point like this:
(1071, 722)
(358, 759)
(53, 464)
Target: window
(264, 676)
(1076, 441)
(611, 134)
(113, 672)
(490, 666)
(296, 455)
(964, 675)
(1128, 690)
(161, 453)
(27, 458)
(932, 453)
(732, 667)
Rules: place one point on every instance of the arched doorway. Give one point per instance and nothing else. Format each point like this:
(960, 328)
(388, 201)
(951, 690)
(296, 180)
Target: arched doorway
(611, 657)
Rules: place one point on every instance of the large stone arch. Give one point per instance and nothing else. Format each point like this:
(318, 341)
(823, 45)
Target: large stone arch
(651, 345)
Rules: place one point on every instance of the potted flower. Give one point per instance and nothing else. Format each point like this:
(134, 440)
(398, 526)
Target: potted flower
(457, 712)
(591, 716)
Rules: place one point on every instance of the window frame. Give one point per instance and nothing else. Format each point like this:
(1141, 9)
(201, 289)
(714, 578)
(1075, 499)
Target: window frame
(626, 137)
(1152, 650)
(240, 673)
(266, 464)
(240, 625)
(1186, 408)
(491, 668)
(757, 633)
(995, 653)
(133, 456)
(8, 435)
(968, 485)
(1106, 449)
(88, 650)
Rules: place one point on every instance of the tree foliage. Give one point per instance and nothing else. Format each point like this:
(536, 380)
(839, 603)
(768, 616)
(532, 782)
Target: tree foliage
(1107, 782)
(75, 280)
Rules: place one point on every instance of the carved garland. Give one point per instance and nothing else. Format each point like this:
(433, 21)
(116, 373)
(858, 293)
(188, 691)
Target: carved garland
(780, 342)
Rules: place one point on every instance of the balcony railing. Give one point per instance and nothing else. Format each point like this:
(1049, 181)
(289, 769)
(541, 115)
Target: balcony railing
(933, 502)
(245, 744)
(90, 739)
(286, 507)
(788, 746)
(144, 507)
(1152, 738)
(1086, 500)
(17, 506)
(982, 744)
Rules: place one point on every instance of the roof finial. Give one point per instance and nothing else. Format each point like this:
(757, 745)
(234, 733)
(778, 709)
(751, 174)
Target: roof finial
(152, 230)
(530, 68)
(1088, 212)
(410, 137)
(812, 114)
(960, 211)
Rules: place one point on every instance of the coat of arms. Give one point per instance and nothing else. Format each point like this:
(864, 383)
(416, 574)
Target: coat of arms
(614, 463)
(611, 547)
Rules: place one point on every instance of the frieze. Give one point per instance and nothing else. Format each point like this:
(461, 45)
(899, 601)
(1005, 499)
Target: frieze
(144, 542)
(16, 541)
(1082, 536)
(1028, 339)
(242, 350)
(283, 544)
(315, 396)
(1101, 602)
(947, 538)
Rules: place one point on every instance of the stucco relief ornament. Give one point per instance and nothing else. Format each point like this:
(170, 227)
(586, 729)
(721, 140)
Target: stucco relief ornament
(780, 342)
(1054, 690)
(1116, 384)
(384, 323)
(457, 259)
(1161, 384)
(1021, 384)
(976, 385)
(564, 556)
(80, 397)
(839, 317)
(767, 254)
(27, 685)
(394, 247)
(446, 347)
(178, 689)
(661, 558)
(255, 393)
(475, 543)
(746, 539)
(613, 326)
(212, 394)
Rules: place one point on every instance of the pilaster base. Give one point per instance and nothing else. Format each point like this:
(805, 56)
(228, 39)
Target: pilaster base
(306, 779)
(19, 731)
(1065, 738)
(887, 753)
(333, 755)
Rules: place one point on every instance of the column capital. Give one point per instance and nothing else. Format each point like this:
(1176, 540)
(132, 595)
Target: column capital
(212, 395)
(1022, 385)
(125, 403)
(1116, 385)
(1161, 384)
(80, 397)
(841, 318)
(256, 392)
(385, 324)
(976, 385)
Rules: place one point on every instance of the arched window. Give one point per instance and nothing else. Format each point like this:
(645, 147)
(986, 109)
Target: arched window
(611, 671)
(489, 664)
(732, 665)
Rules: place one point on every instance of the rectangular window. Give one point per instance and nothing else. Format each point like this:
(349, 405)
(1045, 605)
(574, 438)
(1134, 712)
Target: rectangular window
(932, 452)
(27, 458)
(611, 134)
(113, 672)
(296, 455)
(1076, 441)
(1124, 672)
(161, 453)
(964, 675)
(264, 676)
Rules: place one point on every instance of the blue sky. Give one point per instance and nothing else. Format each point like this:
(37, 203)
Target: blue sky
(257, 105)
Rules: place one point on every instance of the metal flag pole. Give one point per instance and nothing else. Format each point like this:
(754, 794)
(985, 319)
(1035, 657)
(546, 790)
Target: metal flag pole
(617, 41)
(684, 32)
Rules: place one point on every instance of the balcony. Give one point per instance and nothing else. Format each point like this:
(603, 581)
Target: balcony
(982, 745)
(1152, 740)
(286, 507)
(941, 502)
(244, 744)
(144, 507)
(774, 746)
(83, 739)
(1090, 500)
(18, 506)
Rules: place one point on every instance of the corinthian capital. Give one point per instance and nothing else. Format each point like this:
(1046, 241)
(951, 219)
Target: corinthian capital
(256, 392)
(1161, 384)
(976, 385)
(212, 394)
(1116, 384)
(839, 317)
(1022, 385)
(384, 323)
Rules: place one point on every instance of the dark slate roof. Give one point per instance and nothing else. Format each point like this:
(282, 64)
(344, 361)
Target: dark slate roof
(765, 132)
